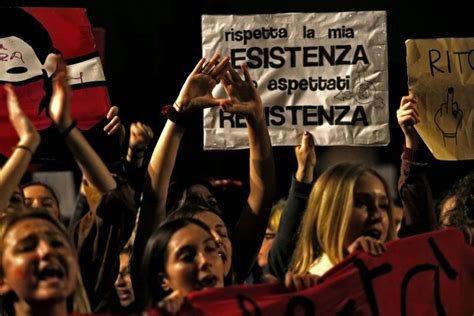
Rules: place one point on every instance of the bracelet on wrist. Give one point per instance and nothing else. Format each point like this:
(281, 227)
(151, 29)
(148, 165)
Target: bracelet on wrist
(28, 149)
(136, 149)
(134, 157)
(135, 154)
(68, 129)
(174, 116)
(176, 105)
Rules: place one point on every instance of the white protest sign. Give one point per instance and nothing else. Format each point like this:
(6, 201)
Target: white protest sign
(321, 72)
(441, 78)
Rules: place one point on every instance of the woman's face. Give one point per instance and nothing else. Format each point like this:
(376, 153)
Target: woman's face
(397, 218)
(447, 209)
(16, 203)
(37, 196)
(38, 262)
(370, 212)
(262, 258)
(193, 262)
(219, 231)
(123, 283)
(200, 191)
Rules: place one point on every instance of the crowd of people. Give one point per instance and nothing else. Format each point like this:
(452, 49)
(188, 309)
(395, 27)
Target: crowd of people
(141, 240)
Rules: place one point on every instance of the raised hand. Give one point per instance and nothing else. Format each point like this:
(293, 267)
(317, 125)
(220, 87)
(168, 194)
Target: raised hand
(196, 92)
(367, 244)
(306, 158)
(245, 99)
(407, 116)
(140, 136)
(60, 105)
(21, 123)
(92, 166)
(15, 166)
(115, 124)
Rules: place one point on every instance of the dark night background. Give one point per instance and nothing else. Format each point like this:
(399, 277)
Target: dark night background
(151, 46)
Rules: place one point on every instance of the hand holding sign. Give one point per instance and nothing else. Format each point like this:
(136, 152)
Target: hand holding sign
(448, 118)
(407, 116)
(306, 157)
(367, 244)
(300, 282)
(172, 303)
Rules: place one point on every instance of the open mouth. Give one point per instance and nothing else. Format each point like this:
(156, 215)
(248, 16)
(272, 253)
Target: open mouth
(123, 295)
(374, 233)
(208, 281)
(50, 272)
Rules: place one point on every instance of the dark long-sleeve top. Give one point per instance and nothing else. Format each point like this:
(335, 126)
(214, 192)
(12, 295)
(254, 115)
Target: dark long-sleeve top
(100, 236)
(285, 240)
(415, 193)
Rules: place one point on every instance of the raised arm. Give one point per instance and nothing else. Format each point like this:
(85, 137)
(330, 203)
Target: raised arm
(140, 136)
(29, 140)
(306, 158)
(414, 188)
(195, 94)
(92, 166)
(280, 255)
(250, 229)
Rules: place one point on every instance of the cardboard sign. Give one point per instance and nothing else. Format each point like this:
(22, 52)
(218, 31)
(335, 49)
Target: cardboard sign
(441, 78)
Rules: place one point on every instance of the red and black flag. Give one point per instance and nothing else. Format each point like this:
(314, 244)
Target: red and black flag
(29, 37)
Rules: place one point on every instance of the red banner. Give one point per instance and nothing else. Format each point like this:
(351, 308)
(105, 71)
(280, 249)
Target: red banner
(28, 39)
(430, 274)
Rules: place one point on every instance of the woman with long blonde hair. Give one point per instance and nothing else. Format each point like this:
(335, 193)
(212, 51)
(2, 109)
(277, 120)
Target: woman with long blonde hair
(349, 208)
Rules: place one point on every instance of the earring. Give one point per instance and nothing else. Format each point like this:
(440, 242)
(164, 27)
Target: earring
(164, 285)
